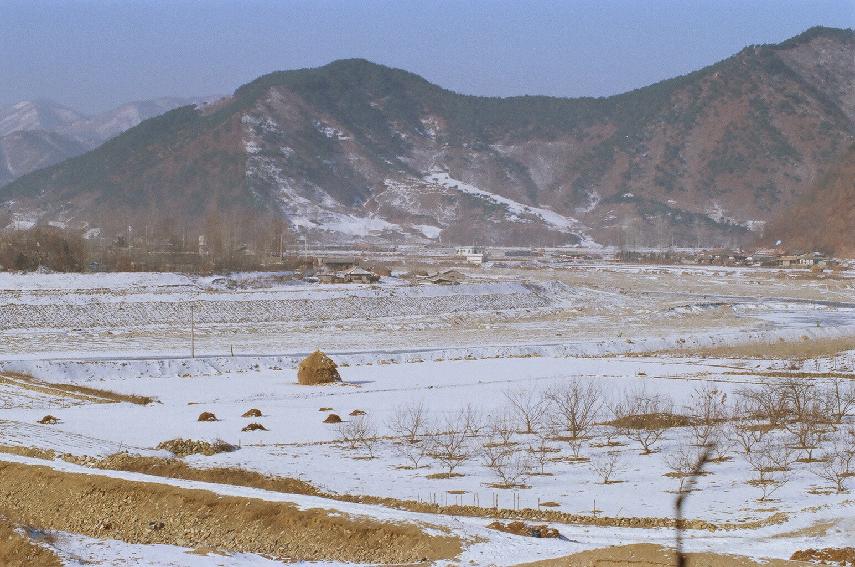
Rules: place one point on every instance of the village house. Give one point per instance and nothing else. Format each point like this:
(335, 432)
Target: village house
(473, 254)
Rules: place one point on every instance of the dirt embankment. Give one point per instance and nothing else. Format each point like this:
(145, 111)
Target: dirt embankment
(150, 513)
(650, 555)
(83, 393)
(175, 468)
(16, 550)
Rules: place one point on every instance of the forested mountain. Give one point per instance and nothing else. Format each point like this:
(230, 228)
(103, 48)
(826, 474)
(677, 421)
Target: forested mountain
(358, 150)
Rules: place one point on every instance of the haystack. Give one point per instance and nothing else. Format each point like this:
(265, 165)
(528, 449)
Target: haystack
(317, 368)
(254, 412)
(206, 416)
(49, 420)
(254, 427)
(332, 418)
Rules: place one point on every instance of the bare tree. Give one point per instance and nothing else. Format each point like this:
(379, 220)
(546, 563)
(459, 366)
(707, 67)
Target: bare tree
(542, 452)
(575, 406)
(529, 405)
(684, 462)
(837, 463)
(497, 441)
(708, 411)
(500, 428)
(408, 421)
(359, 432)
(449, 442)
(413, 452)
(511, 466)
(765, 402)
(606, 466)
(471, 420)
(839, 399)
(643, 417)
(770, 459)
(805, 416)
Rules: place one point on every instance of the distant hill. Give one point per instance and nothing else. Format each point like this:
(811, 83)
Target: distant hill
(358, 151)
(37, 134)
(823, 219)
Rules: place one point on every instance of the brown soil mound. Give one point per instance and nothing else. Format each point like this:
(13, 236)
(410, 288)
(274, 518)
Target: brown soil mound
(839, 556)
(317, 368)
(254, 427)
(252, 413)
(650, 555)
(652, 421)
(523, 529)
(16, 550)
(48, 420)
(357, 412)
(206, 416)
(184, 447)
(149, 513)
(332, 418)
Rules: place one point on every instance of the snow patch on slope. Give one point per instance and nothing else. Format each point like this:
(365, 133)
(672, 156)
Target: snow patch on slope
(516, 210)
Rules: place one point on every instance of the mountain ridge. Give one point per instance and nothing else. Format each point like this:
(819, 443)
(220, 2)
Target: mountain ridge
(357, 149)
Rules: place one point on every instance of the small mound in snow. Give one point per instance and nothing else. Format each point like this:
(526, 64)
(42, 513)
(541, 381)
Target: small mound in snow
(49, 420)
(206, 416)
(254, 427)
(332, 418)
(185, 447)
(254, 412)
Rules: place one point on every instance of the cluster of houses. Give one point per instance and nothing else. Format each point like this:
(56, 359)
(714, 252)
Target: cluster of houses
(765, 258)
(343, 270)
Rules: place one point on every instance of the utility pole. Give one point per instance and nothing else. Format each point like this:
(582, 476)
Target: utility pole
(192, 330)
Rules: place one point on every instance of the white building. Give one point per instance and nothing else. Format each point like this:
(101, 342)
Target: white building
(473, 254)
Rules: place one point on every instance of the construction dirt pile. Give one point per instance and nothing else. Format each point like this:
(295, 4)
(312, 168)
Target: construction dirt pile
(149, 513)
(317, 368)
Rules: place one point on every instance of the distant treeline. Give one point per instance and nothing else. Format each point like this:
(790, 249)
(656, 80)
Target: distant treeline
(63, 250)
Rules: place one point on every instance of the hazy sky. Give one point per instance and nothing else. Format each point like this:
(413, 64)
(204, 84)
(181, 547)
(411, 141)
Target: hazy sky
(93, 55)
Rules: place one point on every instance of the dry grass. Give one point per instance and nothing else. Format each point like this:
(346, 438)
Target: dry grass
(254, 412)
(17, 550)
(651, 421)
(93, 395)
(785, 350)
(148, 513)
(253, 427)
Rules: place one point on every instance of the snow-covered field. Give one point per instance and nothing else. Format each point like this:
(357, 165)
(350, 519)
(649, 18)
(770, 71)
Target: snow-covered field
(457, 352)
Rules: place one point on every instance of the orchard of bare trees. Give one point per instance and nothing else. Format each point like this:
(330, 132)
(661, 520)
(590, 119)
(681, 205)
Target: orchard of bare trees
(772, 432)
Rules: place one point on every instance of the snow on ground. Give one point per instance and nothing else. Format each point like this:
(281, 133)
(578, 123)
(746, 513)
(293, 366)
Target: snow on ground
(396, 343)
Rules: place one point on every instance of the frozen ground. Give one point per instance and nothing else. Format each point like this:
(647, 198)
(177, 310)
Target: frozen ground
(446, 347)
